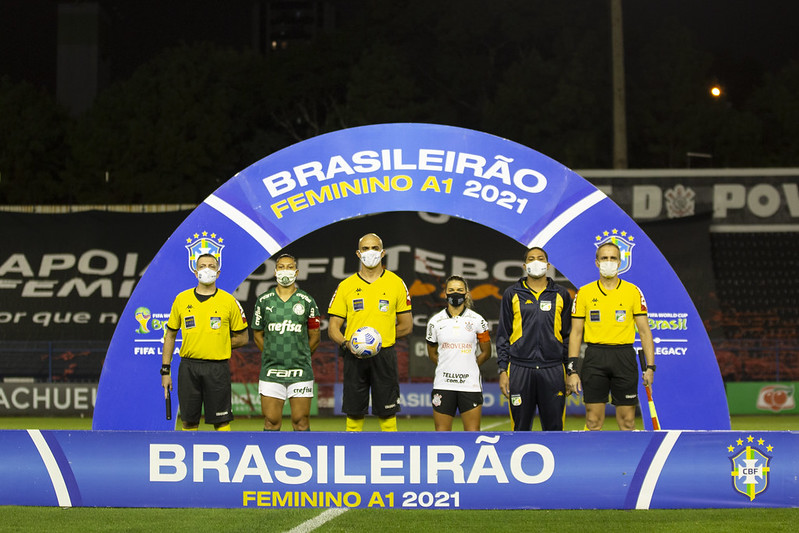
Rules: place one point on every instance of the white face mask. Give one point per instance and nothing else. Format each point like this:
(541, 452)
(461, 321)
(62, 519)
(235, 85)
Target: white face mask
(206, 276)
(536, 269)
(371, 258)
(608, 269)
(285, 277)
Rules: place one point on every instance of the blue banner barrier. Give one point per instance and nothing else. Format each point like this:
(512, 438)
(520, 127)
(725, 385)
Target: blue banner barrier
(573, 470)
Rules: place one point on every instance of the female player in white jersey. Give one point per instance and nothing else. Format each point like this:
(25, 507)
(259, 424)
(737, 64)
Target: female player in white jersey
(453, 336)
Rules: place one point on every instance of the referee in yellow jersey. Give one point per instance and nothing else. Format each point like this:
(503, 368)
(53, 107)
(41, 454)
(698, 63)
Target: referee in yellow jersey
(607, 312)
(212, 322)
(378, 298)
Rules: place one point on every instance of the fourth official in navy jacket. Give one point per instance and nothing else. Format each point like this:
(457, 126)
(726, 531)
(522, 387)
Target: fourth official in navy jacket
(532, 346)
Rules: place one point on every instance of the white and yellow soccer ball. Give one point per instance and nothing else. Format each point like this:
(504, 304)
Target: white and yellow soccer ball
(366, 342)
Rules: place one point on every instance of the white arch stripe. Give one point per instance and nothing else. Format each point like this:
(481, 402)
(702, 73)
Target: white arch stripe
(655, 468)
(244, 222)
(61, 492)
(565, 218)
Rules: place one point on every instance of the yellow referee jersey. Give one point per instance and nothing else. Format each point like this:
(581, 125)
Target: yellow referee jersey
(206, 325)
(375, 304)
(609, 314)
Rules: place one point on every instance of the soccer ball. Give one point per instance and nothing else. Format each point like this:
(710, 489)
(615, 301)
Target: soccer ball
(366, 342)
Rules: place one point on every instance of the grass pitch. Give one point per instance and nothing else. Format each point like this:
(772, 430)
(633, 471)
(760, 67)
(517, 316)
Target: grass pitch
(416, 423)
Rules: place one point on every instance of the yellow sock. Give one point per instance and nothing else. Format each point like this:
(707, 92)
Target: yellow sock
(355, 424)
(388, 424)
(226, 427)
(190, 429)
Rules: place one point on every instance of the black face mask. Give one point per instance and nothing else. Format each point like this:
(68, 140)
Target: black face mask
(455, 299)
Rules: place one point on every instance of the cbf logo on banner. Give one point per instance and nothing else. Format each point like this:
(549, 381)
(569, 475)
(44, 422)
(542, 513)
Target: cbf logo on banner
(410, 167)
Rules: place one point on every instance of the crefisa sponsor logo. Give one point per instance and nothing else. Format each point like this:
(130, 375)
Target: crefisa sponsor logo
(750, 470)
(776, 398)
(623, 240)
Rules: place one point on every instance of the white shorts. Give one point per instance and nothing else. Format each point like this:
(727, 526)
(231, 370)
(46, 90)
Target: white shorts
(301, 389)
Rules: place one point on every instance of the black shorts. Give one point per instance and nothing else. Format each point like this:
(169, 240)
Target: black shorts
(447, 402)
(202, 382)
(610, 370)
(378, 374)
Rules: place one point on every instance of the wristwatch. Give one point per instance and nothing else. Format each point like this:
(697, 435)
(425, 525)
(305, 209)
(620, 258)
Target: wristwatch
(651, 367)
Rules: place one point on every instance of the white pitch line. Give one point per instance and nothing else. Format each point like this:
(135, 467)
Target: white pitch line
(313, 523)
(495, 424)
(655, 468)
(59, 485)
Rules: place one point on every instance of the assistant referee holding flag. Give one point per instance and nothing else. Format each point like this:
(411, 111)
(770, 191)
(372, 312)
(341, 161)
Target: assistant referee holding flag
(608, 311)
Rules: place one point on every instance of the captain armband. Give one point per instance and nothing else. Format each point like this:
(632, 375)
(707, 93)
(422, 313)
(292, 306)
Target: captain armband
(571, 366)
(484, 336)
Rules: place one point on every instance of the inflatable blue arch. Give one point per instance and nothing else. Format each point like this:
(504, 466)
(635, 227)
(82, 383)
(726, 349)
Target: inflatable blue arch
(410, 167)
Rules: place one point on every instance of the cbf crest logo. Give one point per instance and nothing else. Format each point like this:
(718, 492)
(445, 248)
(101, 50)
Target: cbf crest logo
(202, 244)
(624, 241)
(750, 468)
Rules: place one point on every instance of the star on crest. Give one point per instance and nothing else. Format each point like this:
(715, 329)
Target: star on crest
(750, 439)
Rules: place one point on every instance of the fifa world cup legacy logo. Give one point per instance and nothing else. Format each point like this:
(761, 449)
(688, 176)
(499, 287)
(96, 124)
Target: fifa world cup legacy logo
(750, 468)
(204, 243)
(142, 316)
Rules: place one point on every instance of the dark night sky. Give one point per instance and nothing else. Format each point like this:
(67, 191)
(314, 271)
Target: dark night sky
(746, 36)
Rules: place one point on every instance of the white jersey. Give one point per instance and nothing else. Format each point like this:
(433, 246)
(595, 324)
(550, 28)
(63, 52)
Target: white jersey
(456, 337)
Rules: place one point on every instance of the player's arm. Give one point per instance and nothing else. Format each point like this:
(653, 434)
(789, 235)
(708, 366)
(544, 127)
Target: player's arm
(404, 324)
(432, 352)
(314, 326)
(166, 359)
(484, 339)
(239, 338)
(573, 383)
(334, 329)
(258, 339)
(648, 345)
(314, 338)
